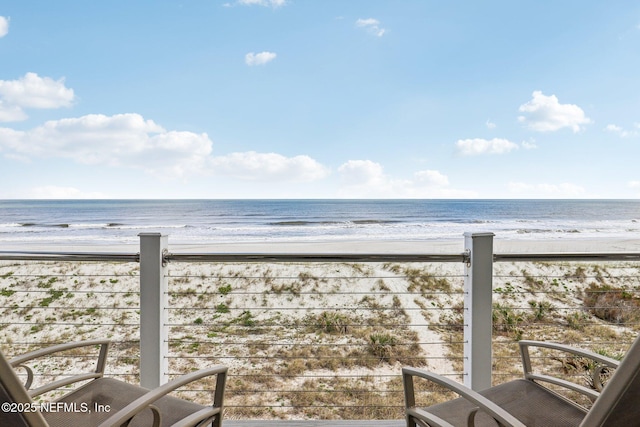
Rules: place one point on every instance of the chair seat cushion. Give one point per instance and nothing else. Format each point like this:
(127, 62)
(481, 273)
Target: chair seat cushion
(529, 402)
(84, 404)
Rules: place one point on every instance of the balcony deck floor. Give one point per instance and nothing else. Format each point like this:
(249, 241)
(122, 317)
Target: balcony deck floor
(312, 423)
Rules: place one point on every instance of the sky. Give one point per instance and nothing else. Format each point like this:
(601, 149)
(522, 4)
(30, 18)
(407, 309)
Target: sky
(319, 99)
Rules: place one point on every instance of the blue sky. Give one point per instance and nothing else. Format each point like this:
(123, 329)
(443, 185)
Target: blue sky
(319, 99)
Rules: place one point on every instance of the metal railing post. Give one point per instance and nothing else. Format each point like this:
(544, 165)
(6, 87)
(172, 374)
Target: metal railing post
(154, 346)
(478, 310)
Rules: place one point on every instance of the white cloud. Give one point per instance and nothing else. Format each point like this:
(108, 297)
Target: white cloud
(490, 124)
(259, 58)
(371, 25)
(269, 167)
(529, 145)
(265, 3)
(56, 192)
(621, 132)
(130, 141)
(546, 114)
(369, 22)
(126, 140)
(11, 113)
(365, 178)
(32, 91)
(432, 178)
(634, 185)
(477, 146)
(4, 26)
(614, 128)
(546, 190)
(361, 172)
(617, 130)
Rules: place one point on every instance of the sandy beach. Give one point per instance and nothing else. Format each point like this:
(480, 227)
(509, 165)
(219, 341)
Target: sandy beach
(306, 326)
(427, 247)
(632, 244)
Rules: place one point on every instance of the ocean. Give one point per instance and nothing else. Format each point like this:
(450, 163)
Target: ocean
(104, 222)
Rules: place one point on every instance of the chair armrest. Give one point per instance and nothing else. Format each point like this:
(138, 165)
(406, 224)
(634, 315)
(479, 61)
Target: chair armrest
(528, 371)
(122, 417)
(525, 344)
(430, 419)
(499, 414)
(197, 417)
(19, 361)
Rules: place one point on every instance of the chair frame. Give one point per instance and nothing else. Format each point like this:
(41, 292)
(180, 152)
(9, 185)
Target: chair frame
(19, 362)
(122, 416)
(418, 416)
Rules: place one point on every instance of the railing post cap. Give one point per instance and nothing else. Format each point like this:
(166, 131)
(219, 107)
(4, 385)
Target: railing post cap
(152, 234)
(479, 234)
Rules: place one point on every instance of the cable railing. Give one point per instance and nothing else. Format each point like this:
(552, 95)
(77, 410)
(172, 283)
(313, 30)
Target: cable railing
(320, 335)
(307, 339)
(45, 302)
(592, 304)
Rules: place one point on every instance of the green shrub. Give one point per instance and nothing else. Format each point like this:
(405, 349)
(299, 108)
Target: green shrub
(576, 320)
(332, 321)
(381, 345)
(7, 292)
(246, 319)
(507, 320)
(224, 290)
(222, 308)
(540, 309)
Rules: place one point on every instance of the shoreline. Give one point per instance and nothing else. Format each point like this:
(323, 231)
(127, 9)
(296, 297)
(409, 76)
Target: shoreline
(440, 246)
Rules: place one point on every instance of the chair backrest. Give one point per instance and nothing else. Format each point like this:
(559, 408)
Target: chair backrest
(13, 393)
(618, 404)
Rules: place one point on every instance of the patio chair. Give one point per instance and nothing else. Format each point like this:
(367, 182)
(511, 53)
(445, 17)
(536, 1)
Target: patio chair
(528, 402)
(101, 402)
